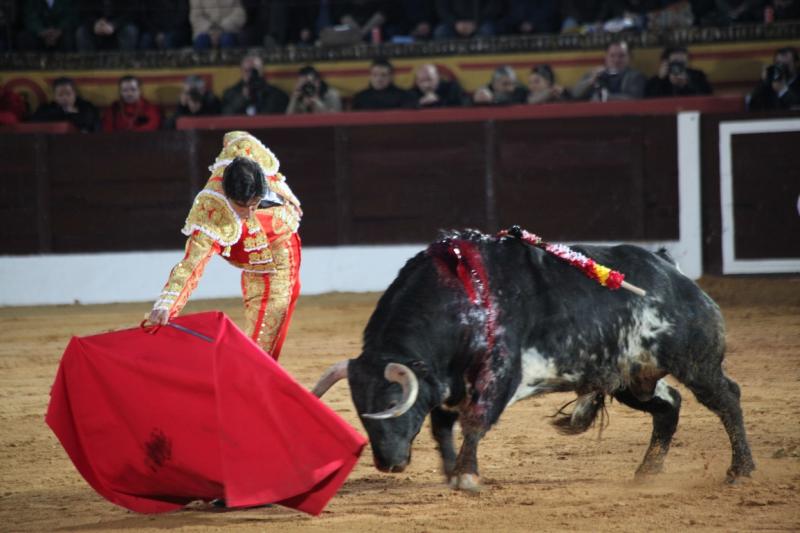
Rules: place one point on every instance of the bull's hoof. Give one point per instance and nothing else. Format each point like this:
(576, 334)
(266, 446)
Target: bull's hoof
(646, 472)
(467, 482)
(735, 474)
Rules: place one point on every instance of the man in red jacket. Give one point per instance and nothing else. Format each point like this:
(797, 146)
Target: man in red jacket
(131, 112)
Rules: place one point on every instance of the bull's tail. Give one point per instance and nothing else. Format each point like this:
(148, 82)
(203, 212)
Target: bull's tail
(583, 416)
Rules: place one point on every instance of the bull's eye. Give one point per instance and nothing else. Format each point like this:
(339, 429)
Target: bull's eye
(392, 404)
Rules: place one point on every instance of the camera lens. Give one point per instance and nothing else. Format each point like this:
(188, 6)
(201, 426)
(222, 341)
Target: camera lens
(308, 89)
(676, 68)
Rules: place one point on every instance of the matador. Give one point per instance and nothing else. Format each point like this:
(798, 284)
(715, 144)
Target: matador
(256, 233)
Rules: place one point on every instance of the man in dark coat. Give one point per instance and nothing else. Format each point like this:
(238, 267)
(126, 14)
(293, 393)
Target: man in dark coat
(107, 25)
(382, 93)
(48, 25)
(430, 90)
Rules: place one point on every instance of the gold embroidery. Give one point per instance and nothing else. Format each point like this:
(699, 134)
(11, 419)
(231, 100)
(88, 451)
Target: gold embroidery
(260, 257)
(253, 294)
(255, 243)
(275, 303)
(213, 216)
(185, 275)
(242, 144)
(253, 226)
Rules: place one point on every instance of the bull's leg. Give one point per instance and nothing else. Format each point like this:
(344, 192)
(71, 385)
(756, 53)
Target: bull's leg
(442, 427)
(665, 406)
(721, 395)
(465, 474)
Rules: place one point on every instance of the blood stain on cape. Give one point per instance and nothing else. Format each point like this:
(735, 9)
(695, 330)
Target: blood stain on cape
(158, 449)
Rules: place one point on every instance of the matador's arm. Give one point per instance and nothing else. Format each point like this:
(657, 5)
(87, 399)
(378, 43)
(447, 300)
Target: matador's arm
(200, 248)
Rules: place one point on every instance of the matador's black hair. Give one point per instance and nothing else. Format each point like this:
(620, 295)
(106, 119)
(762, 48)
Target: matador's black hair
(243, 180)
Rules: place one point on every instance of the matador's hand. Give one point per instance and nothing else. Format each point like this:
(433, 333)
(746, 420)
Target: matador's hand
(159, 317)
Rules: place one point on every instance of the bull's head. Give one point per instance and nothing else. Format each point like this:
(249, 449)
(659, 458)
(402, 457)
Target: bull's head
(386, 398)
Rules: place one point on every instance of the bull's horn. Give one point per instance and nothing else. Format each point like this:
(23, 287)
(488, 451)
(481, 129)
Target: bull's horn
(332, 375)
(405, 377)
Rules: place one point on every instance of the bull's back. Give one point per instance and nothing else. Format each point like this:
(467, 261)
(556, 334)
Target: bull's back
(583, 327)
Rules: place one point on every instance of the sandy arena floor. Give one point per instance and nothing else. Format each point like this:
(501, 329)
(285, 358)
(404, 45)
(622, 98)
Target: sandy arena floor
(534, 479)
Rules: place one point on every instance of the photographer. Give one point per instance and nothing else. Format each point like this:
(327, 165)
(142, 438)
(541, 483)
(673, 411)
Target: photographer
(253, 95)
(779, 87)
(195, 101)
(312, 95)
(675, 77)
(131, 112)
(615, 80)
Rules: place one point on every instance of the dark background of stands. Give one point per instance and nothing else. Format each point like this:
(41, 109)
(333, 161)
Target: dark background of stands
(475, 46)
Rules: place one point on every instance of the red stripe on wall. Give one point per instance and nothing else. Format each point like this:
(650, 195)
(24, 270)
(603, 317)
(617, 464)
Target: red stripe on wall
(572, 62)
(338, 73)
(155, 78)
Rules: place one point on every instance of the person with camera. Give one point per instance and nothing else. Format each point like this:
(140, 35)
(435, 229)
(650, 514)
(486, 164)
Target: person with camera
(252, 94)
(312, 95)
(132, 112)
(195, 101)
(675, 77)
(615, 80)
(780, 85)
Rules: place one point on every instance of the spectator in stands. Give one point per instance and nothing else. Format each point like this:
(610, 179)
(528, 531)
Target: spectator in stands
(526, 17)
(216, 23)
(312, 95)
(578, 13)
(303, 20)
(164, 24)
(726, 12)
(410, 20)
(107, 25)
(465, 18)
(786, 10)
(68, 106)
(8, 23)
(196, 100)
(780, 84)
(48, 25)
(12, 106)
(353, 21)
(543, 88)
(252, 94)
(504, 88)
(615, 80)
(430, 90)
(382, 93)
(267, 23)
(675, 77)
(132, 112)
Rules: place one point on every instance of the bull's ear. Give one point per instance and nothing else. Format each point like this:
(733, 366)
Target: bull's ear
(420, 368)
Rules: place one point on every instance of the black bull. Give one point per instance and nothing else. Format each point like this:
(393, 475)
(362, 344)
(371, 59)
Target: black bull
(475, 323)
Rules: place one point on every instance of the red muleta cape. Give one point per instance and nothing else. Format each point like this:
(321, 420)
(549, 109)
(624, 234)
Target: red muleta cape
(155, 421)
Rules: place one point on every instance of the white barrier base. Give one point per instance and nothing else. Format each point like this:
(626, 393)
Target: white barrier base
(139, 276)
